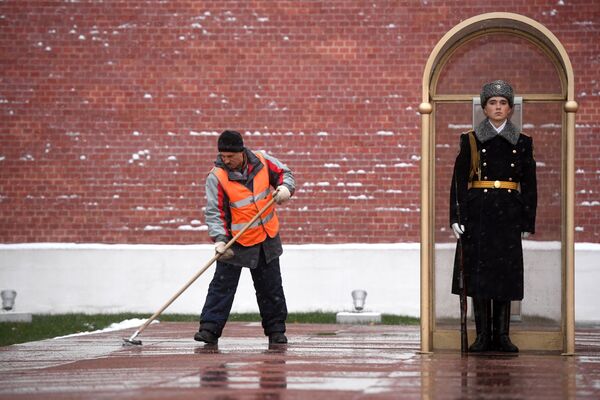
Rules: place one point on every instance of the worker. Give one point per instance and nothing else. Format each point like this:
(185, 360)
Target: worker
(238, 186)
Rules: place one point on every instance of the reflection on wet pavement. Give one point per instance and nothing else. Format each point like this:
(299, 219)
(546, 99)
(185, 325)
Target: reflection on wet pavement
(321, 361)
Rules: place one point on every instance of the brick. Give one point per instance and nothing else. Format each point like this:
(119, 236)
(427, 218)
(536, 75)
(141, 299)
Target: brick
(96, 97)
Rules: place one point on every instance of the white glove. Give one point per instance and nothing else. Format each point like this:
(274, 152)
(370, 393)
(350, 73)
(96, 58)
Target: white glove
(223, 254)
(281, 194)
(524, 235)
(458, 229)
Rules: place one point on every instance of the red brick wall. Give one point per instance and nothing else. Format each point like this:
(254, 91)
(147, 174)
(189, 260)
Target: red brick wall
(109, 112)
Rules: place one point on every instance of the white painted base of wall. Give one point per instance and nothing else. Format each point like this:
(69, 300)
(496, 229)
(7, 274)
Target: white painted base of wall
(365, 318)
(99, 278)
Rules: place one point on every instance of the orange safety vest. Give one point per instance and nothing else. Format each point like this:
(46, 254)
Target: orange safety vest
(244, 205)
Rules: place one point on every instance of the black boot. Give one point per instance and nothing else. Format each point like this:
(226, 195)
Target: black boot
(277, 338)
(501, 326)
(206, 336)
(483, 326)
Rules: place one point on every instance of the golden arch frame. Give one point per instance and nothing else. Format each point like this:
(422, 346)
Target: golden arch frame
(542, 38)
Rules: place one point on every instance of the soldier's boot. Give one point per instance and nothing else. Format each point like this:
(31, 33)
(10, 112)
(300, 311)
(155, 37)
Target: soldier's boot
(483, 325)
(501, 327)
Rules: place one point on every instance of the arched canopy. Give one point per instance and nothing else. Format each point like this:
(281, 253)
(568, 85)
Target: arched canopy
(493, 21)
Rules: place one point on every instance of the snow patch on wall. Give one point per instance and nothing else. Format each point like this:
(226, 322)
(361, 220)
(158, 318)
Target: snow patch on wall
(204, 133)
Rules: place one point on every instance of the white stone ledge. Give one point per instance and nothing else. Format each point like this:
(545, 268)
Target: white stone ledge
(109, 278)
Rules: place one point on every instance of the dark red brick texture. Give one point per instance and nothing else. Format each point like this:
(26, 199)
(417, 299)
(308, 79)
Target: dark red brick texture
(109, 112)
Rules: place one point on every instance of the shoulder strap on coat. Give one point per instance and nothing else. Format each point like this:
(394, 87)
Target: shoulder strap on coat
(474, 156)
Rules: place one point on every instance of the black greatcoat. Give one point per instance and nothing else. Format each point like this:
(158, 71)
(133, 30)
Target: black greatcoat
(494, 218)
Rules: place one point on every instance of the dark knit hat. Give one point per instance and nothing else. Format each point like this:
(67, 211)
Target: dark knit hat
(231, 141)
(497, 88)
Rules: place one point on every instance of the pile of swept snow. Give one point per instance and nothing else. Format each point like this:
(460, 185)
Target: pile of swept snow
(128, 323)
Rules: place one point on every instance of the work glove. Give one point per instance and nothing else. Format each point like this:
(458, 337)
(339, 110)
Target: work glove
(281, 194)
(458, 229)
(223, 254)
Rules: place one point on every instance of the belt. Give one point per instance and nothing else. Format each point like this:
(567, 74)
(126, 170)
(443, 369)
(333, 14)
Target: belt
(494, 185)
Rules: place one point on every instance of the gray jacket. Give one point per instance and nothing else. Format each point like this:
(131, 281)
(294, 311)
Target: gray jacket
(218, 213)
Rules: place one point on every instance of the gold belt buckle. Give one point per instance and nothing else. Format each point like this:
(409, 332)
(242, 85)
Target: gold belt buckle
(497, 184)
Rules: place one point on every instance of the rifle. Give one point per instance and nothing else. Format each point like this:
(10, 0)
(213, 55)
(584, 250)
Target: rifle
(464, 341)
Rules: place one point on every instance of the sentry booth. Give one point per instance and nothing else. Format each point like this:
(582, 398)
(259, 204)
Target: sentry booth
(526, 54)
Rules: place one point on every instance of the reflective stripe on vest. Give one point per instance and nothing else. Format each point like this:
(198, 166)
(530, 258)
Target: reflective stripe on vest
(244, 205)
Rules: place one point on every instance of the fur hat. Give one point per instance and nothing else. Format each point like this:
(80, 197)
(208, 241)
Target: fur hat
(497, 88)
(230, 141)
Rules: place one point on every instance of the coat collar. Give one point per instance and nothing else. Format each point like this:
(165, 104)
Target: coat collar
(253, 165)
(485, 131)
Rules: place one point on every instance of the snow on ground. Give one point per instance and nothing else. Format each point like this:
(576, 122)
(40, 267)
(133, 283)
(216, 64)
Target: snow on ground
(117, 326)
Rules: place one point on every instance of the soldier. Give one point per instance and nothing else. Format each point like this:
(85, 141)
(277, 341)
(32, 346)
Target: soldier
(493, 202)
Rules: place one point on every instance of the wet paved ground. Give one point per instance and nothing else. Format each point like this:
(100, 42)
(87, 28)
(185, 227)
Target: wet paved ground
(320, 362)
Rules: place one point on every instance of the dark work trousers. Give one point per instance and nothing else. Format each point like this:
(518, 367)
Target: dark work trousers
(269, 296)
